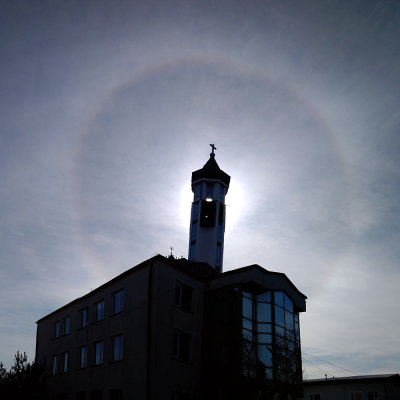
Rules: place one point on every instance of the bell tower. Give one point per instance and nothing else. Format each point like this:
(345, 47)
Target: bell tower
(207, 224)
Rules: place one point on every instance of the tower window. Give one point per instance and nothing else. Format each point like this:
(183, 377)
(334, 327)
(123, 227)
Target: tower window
(210, 191)
(221, 193)
(207, 214)
(221, 213)
(197, 191)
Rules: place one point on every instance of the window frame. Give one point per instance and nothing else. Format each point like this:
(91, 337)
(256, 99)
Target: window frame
(99, 345)
(65, 362)
(182, 345)
(83, 318)
(118, 300)
(99, 316)
(56, 329)
(54, 367)
(67, 325)
(183, 296)
(118, 347)
(85, 364)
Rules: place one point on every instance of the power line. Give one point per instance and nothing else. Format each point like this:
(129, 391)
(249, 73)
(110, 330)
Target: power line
(330, 363)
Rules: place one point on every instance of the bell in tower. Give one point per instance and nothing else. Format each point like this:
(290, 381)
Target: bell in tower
(207, 225)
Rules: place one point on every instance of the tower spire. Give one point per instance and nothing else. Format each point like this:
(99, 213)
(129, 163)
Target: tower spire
(207, 225)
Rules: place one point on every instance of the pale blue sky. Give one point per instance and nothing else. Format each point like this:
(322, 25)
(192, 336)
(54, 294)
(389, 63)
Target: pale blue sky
(106, 107)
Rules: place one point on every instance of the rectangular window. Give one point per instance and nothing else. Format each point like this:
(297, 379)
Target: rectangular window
(55, 362)
(100, 310)
(98, 353)
(183, 296)
(372, 396)
(355, 395)
(118, 347)
(83, 351)
(207, 214)
(67, 325)
(65, 358)
(118, 302)
(83, 318)
(57, 329)
(181, 345)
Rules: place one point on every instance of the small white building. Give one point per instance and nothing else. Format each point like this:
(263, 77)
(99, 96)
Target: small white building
(364, 387)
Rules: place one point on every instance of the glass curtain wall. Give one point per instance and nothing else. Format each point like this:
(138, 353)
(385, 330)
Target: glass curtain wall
(271, 337)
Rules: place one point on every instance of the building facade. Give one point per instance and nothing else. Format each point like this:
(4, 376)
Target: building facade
(366, 387)
(177, 329)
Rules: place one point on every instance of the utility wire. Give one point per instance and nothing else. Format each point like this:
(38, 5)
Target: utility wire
(330, 363)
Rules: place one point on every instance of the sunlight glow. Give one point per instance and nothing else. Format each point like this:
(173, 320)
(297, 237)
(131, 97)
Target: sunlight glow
(235, 204)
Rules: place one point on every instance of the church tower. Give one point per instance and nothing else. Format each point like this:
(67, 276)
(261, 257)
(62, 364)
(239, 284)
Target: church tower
(207, 224)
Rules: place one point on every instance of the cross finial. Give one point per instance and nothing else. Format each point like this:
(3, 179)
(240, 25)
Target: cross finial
(212, 149)
(172, 249)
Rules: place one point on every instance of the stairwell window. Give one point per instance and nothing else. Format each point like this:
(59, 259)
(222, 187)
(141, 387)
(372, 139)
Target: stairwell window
(183, 296)
(181, 345)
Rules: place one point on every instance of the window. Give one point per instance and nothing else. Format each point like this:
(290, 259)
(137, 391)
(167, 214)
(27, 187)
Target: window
(65, 358)
(67, 325)
(100, 310)
(208, 213)
(57, 329)
(197, 191)
(118, 302)
(83, 318)
(210, 191)
(181, 345)
(83, 351)
(355, 395)
(315, 396)
(183, 296)
(118, 347)
(55, 362)
(221, 193)
(98, 353)
(372, 396)
(257, 335)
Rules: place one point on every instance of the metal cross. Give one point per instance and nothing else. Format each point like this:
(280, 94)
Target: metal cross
(213, 148)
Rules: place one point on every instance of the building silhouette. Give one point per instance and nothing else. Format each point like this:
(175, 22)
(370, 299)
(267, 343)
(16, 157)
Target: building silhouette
(179, 329)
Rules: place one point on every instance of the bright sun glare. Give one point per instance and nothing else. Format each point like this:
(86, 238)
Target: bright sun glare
(234, 205)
